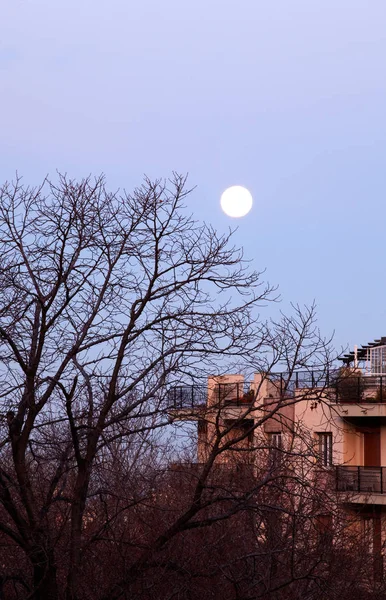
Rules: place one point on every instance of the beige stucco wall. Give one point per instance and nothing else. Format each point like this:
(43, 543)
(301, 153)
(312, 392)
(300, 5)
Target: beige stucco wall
(215, 380)
(321, 416)
(308, 415)
(353, 446)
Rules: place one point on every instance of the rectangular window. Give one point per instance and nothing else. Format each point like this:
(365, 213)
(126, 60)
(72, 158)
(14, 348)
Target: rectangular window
(275, 440)
(276, 443)
(378, 360)
(325, 448)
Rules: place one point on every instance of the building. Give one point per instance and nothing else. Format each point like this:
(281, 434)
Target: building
(334, 420)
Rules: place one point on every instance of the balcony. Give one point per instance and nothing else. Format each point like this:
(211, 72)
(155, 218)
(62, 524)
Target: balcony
(187, 396)
(366, 389)
(196, 397)
(363, 483)
(361, 396)
(340, 388)
(233, 394)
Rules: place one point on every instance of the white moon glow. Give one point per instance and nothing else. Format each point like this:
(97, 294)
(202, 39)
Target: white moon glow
(236, 201)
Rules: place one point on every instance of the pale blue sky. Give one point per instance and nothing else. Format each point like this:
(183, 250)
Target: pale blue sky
(285, 97)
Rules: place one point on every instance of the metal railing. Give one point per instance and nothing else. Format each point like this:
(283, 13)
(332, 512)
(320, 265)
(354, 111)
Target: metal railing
(187, 396)
(364, 389)
(361, 479)
(339, 387)
(195, 396)
(237, 393)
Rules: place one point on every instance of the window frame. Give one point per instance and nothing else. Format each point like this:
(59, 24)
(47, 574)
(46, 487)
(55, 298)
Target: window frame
(325, 448)
(377, 356)
(276, 440)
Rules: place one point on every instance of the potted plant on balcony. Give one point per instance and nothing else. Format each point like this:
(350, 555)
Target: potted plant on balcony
(248, 397)
(349, 386)
(380, 394)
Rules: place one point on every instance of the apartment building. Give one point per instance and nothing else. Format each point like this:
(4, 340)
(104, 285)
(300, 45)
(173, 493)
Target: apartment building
(335, 420)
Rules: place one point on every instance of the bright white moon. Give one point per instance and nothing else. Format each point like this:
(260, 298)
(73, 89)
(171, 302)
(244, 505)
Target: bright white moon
(236, 201)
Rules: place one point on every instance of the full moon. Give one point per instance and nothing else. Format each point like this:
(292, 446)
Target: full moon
(236, 201)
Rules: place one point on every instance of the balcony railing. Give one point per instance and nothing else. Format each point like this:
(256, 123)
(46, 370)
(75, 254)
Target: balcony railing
(361, 479)
(239, 393)
(187, 396)
(341, 387)
(233, 394)
(337, 386)
(195, 396)
(364, 389)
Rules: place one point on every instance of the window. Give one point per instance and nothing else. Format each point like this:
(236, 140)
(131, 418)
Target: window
(378, 360)
(325, 449)
(275, 440)
(276, 443)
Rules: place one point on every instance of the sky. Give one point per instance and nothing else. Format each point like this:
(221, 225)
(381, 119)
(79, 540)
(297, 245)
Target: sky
(287, 98)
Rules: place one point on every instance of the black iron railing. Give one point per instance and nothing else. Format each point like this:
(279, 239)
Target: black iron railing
(361, 479)
(233, 393)
(364, 389)
(195, 396)
(187, 396)
(338, 386)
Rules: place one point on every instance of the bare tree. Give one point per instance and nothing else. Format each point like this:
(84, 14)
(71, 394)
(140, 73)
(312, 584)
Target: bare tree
(105, 298)
(258, 534)
(106, 301)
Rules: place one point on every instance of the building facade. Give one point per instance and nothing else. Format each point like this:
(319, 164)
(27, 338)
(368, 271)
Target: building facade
(330, 423)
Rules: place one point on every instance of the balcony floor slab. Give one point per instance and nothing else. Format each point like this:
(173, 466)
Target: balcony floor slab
(368, 409)
(362, 498)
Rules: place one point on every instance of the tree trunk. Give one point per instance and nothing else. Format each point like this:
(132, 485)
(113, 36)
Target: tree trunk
(77, 512)
(44, 574)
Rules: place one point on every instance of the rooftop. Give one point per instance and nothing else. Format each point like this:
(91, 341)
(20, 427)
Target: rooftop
(362, 353)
